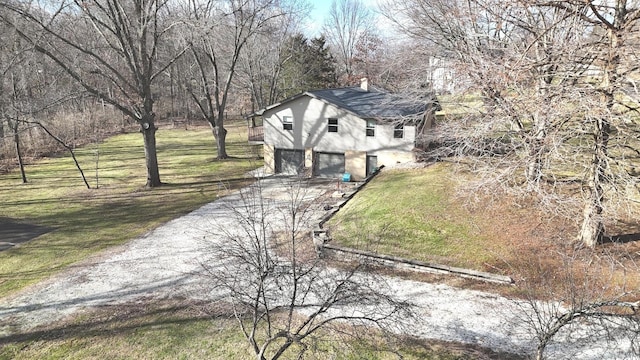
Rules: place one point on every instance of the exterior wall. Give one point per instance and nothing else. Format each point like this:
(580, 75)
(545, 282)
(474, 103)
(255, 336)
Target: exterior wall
(310, 133)
(389, 158)
(308, 158)
(269, 153)
(310, 129)
(355, 163)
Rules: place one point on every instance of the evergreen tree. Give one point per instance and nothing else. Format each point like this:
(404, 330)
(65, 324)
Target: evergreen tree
(306, 65)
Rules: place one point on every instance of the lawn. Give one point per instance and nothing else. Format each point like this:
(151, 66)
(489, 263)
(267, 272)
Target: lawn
(175, 330)
(87, 221)
(413, 214)
(429, 214)
(119, 208)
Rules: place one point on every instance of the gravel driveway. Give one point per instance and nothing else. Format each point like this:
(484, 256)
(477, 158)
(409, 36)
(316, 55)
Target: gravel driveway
(161, 264)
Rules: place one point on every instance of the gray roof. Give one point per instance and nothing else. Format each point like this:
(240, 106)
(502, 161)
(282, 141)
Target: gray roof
(372, 104)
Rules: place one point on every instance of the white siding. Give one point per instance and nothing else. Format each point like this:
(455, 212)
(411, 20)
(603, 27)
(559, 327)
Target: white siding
(310, 117)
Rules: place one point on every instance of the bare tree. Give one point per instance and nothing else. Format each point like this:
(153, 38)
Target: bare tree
(279, 291)
(350, 23)
(29, 89)
(590, 306)
(222, 31)
(113, 48)
(13, 79)
(556, 99)
(615, 24)
(370, 56)
(264, 56)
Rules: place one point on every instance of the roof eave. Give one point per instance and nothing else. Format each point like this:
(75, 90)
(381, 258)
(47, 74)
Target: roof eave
(275, 105)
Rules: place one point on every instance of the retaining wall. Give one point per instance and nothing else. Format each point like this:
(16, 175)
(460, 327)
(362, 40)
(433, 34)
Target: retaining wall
(321, 239)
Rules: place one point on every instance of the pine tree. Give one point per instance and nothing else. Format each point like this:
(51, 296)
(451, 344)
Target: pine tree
(307, 65)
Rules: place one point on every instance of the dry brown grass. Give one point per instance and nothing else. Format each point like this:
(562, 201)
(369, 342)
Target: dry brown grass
(536, 248)
(302, 247)
(512, 235)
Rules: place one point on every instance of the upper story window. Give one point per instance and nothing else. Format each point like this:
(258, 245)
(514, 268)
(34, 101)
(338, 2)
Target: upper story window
(333, 125)
(287, 122)
(398, 131)
(371, 128)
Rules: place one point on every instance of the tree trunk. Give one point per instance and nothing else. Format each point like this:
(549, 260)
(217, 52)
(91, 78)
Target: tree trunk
(592, 229)
(540, 352)
(151, 157)
(220, 134)
(16, 138)
(536, 147)
(539, 132)
(221, 140)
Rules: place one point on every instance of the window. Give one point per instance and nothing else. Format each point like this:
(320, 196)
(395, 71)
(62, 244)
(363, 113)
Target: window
(371, 128)
(333, 125)
(287, 122)
(398, 131)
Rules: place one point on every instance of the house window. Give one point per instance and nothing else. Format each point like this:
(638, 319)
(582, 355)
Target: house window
(287, 122)
(398, 131)
(333, 125)
(371, 128)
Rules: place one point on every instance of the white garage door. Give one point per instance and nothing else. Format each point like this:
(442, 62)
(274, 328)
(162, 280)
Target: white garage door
(329, 164)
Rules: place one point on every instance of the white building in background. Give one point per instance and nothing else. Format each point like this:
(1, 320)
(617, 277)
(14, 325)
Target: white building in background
(442, 76)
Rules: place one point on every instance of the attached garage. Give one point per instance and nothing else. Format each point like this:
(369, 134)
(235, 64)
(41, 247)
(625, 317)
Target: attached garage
(328, 164)
(289, 162)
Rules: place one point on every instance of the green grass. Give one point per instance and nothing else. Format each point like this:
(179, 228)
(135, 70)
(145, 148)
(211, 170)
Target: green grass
(412, 214)
(85, 222)
(459, 105)
(178, 331)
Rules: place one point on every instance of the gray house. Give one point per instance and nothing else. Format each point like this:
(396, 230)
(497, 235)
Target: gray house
(347, 130)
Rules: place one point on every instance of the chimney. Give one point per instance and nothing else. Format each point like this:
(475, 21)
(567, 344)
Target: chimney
(364, 84)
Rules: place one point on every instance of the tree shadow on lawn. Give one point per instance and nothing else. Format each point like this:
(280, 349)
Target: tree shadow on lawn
(149, 318)
(109, 320)
(13, 233)
(621, 239)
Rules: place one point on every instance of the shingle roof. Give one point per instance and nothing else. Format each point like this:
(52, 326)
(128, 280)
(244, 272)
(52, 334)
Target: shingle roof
(374, 103)
(371, 104)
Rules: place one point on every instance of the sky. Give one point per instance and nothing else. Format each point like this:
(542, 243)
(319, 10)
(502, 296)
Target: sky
(321, 10)
(317, 17)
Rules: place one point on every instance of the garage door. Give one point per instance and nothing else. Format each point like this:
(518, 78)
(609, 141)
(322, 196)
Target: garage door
(329, 165)
(290, 162)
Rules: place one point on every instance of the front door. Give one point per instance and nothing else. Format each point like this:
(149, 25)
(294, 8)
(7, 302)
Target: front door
(372, 164)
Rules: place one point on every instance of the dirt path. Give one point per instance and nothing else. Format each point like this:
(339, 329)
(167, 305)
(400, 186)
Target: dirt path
(161, 264)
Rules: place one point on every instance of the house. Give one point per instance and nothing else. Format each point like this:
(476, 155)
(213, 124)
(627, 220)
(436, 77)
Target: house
(347, 130)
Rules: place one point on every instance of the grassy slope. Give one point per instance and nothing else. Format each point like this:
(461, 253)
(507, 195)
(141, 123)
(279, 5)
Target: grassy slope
(88, 221)
(410, 213)
(421, 214)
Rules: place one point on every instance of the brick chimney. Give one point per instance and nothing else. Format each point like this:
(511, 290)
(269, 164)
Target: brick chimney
(364, 84)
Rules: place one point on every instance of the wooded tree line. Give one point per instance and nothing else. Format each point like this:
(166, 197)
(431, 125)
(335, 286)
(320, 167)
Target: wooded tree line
(555, 82)
(149, 59)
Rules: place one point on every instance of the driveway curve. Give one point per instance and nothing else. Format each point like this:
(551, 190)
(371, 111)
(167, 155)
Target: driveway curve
(162, 263)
